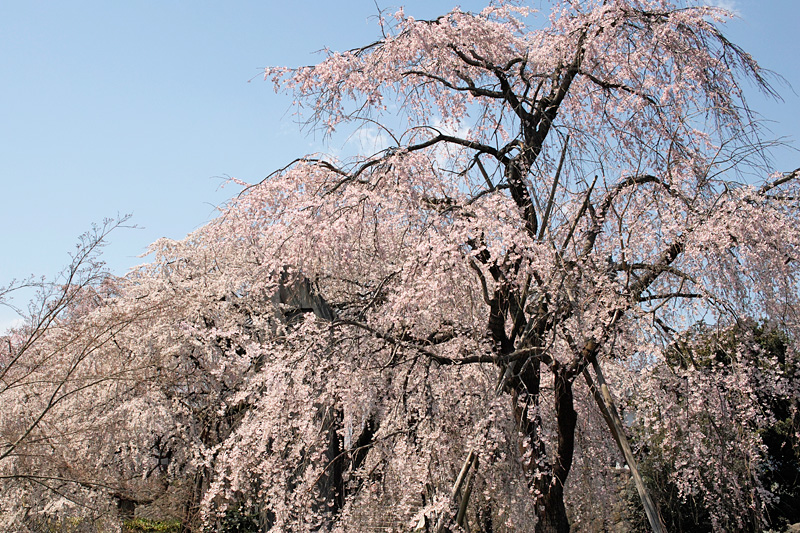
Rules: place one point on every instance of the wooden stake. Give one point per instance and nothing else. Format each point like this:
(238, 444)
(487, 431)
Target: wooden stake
(606, 404)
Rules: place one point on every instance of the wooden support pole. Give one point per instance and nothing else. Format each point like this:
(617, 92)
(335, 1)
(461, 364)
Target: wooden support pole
(602, 396)
(472, 457)
(462, 508)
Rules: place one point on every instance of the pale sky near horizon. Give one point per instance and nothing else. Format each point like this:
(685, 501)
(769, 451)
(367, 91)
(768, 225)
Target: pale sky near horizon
(146, 106)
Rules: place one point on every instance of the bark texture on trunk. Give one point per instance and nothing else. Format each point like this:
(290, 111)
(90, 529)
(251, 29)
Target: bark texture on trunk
(551, 510)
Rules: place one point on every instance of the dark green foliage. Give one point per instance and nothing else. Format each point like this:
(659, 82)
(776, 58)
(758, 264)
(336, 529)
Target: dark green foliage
(708, 350)
(680, 515)
(783, 479)
(240, 520)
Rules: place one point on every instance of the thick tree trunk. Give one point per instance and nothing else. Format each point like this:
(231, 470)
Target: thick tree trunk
(552, 518)
(189, 521)
(330, 487)
(551, 511)
(525, 390)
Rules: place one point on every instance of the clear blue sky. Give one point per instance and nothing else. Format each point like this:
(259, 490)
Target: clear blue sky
(144, 107)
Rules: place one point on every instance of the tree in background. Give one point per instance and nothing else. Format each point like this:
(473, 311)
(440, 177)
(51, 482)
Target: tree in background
(68, 442)
(694, 409)
(425, 337)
